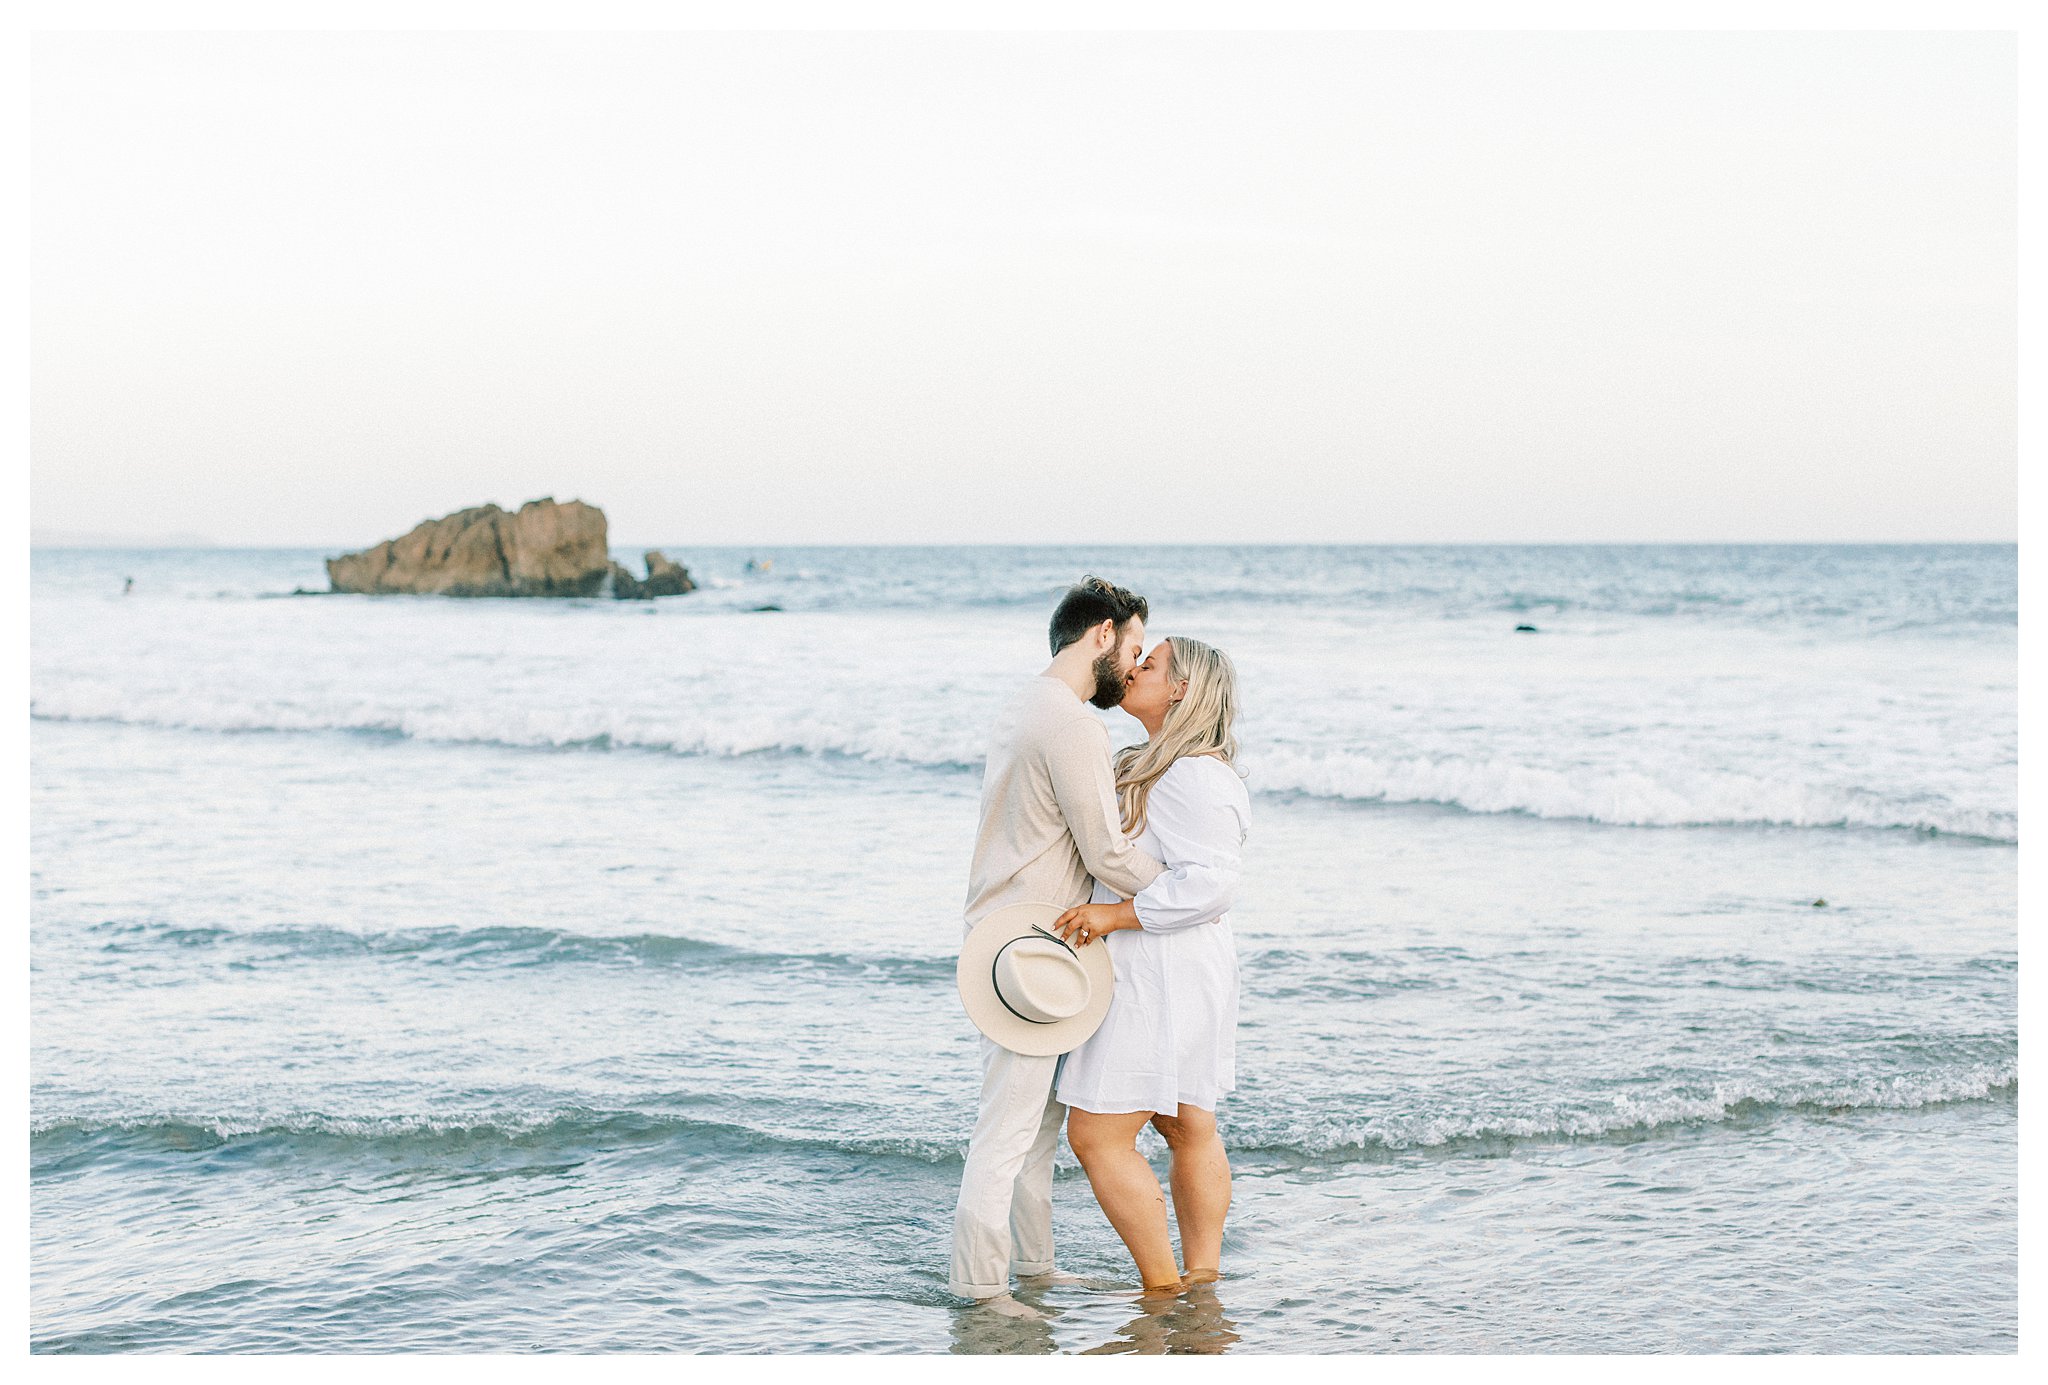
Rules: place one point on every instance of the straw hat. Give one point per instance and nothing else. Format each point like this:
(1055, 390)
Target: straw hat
(1028, 990)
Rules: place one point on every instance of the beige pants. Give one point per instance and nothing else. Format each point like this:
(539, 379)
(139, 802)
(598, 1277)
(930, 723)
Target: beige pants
(1003, 1221)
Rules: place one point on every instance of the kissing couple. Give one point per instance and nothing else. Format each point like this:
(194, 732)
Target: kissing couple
(1098, 963)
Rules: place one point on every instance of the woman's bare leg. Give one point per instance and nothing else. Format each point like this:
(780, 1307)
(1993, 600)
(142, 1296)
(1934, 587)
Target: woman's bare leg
(1131, 1198)
(1201, 1187)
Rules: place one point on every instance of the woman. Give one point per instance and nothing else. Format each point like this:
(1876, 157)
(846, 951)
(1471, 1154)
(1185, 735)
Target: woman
(1167, 1049)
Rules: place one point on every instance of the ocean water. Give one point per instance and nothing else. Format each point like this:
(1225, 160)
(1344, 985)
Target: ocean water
(420, 974)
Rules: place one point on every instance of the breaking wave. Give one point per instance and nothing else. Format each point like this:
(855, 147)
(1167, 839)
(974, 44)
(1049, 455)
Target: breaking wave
(1677, 797)
(579, 1129)
(514, 946)
(1683, 798)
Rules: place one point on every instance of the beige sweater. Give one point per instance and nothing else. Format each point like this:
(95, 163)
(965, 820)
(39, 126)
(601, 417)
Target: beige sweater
(1049, 820)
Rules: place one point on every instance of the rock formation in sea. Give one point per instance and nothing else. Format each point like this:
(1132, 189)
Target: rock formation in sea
(543, 549)
(665, 577)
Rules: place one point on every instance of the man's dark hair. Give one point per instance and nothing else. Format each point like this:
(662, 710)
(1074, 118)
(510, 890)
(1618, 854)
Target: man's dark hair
(1087, 604)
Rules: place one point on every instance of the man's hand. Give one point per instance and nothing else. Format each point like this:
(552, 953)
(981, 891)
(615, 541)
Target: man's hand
(1084, 923)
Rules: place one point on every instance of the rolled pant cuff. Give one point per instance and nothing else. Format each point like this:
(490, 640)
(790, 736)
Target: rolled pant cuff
(959, 1290)
(1034, 1267)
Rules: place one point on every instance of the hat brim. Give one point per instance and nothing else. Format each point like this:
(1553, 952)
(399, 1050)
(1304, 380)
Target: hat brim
(976, 978)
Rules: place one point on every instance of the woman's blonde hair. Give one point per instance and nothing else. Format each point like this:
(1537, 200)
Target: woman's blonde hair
(1203, 722)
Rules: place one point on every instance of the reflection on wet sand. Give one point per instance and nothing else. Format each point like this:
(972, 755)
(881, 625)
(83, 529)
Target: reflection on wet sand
(1190, 1325)
(979, 1332)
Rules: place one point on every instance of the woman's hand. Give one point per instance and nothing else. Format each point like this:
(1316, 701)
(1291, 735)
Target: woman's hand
(1084, 923)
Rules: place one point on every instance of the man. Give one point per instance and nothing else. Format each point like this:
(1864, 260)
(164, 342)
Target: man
(1049, 829)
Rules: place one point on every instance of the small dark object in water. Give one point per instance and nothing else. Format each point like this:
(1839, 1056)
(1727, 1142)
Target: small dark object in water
(1820, 904)
(767, 608)
(1525, 629)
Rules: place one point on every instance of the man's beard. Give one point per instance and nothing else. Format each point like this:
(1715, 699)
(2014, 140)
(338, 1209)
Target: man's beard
(1109, 684)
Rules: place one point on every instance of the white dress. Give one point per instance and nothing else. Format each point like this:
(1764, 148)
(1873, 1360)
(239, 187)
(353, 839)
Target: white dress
(1170, 1037)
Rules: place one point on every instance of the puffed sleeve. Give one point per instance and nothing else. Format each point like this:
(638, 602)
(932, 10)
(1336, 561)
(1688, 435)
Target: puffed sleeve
(1199, 813)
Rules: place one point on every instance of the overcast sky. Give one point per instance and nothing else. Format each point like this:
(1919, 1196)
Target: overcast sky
(813, 288)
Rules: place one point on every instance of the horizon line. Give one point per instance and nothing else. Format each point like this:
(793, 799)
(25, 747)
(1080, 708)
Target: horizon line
(155, 545)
